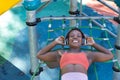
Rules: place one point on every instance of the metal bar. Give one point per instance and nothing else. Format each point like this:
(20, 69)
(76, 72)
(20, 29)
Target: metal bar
(98, 24)
(108, 6)
(75, 17)
(43, 6)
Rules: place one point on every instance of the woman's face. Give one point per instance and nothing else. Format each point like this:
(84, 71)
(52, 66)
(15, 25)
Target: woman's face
(75, 39)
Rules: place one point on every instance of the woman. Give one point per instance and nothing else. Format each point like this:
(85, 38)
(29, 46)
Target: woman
(74, 63)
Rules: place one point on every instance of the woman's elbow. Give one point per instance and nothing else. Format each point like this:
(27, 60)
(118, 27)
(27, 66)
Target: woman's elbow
(38, 56)
(111, 56)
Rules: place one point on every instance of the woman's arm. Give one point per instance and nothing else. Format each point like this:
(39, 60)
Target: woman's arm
(103, 54)
(45, 54)
(52, 64)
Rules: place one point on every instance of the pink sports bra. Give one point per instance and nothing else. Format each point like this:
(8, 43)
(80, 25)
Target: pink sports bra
(71, 58)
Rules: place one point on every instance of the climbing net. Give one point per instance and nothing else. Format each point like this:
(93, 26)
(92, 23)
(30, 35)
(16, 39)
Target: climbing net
(100, 35)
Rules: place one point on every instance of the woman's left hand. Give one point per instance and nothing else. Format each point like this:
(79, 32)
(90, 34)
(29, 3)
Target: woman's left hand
(90, 41)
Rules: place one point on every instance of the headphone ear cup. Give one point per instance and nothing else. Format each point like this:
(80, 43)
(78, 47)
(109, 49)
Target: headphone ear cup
(83, 41)
(84, 36)
(66, 42)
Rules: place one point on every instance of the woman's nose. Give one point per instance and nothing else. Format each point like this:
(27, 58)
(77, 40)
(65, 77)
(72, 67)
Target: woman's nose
(75, 37)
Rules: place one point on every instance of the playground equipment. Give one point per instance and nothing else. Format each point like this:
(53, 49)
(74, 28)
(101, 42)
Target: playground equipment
(116, 69)
(32, 7)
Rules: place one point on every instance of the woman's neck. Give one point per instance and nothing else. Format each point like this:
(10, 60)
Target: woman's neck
(74, 50)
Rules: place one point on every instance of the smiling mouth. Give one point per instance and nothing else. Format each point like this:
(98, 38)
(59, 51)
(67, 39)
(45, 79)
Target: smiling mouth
(75, 41)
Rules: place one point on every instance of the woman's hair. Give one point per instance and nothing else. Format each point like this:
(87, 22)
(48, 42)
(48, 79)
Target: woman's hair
(67, 36)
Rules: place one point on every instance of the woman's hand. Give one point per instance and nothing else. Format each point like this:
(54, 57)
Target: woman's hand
(90, 41)
(60, 40)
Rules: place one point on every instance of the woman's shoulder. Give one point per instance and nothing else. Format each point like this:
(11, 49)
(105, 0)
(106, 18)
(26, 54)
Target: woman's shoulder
(60, 52)
(88, 53)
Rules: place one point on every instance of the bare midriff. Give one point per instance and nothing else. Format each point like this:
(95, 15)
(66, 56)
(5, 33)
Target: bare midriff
(73, 68)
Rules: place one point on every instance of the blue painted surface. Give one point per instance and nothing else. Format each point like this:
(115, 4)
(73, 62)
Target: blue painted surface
(20, 46)
(9, 72)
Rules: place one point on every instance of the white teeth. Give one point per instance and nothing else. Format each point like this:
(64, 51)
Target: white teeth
(75, 41)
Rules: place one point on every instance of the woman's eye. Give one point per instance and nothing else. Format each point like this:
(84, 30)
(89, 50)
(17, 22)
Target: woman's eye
(79, 35)
(71, 36)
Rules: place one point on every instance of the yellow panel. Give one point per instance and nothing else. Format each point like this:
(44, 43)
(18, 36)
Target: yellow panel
(7, 4)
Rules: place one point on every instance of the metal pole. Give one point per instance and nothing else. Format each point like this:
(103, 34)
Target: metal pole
(31, 6)
(73, 8)
(76, 17)
(108, 6)
(32, 42)
(117, 46)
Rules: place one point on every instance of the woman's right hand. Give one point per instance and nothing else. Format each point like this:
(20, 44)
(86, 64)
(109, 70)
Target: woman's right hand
(60, 40)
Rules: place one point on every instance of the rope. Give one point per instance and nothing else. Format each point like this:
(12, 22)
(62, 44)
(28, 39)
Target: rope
(90, 27)
(112, 51)
(91, 34)
(36, 70)
(63, 29)
(95, 71)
